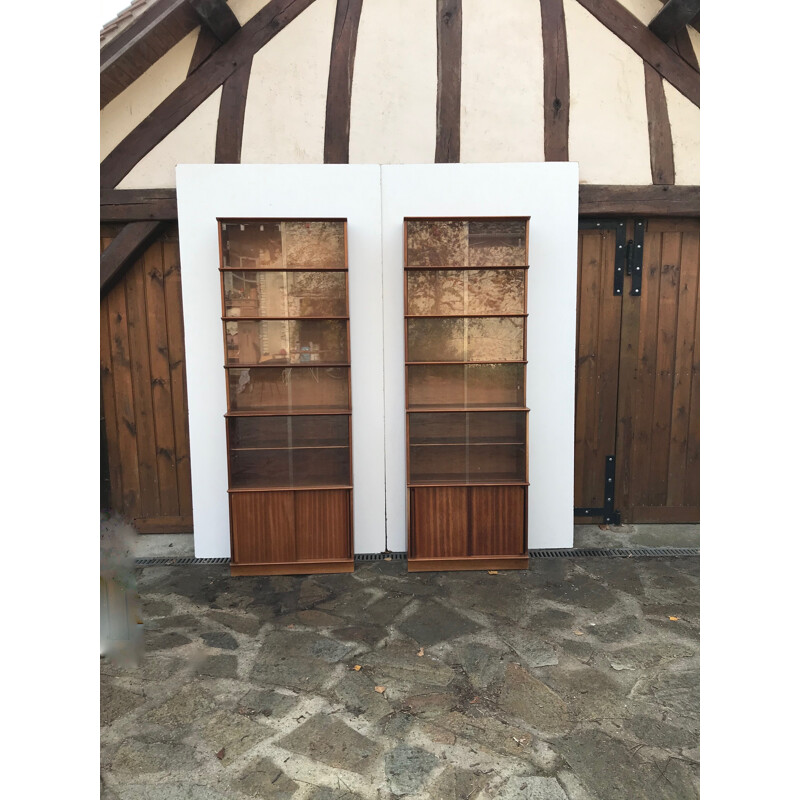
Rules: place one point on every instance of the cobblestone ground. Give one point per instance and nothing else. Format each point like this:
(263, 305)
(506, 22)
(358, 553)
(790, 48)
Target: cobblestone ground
(576, 679)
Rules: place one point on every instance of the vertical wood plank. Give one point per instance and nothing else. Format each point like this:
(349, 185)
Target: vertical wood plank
(497, 520)
(322, 521)
(441, 522)
(142, 394)
(626, 404)
(662, 162)
(665, 369)
(684, 355)
(177, 369)
(230, 122)
(556, 81)
(263, 525)
(160, 381)
(692, 490)
(110, 411)
(448, 89)
(123, 401)
(336, 148)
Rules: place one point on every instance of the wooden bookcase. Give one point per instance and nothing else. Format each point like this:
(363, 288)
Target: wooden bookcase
(287, 373)
(466, 418)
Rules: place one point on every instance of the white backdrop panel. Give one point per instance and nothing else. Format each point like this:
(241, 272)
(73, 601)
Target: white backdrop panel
(548, 193)
(206, 192)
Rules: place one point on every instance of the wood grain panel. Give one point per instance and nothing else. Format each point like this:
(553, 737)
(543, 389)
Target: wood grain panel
(596, 364)
(161, 385)
(262, 527)
(323, 525)
(685, 345)
(556, 81)
(497, 520)
(173, 304)
(440, 520)
(658, 418)
(149, 490)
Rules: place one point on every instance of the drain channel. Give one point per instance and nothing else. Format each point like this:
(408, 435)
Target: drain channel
(564, 552)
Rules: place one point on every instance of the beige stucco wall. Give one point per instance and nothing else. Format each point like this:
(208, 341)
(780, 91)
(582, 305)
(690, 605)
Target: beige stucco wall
(192, 142)
(643, 10)
(502, 117)
(285, 114)
(607, 114)
(135, 102)
(684, 119)
(393, 110)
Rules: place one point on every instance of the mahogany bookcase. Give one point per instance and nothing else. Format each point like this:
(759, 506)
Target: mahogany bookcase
(466, 417)
(285, 320)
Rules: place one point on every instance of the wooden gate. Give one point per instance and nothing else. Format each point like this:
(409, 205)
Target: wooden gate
(638, 370)
(143, 390)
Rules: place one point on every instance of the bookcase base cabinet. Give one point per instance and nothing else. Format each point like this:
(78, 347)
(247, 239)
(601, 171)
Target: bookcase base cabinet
(291, 532)
(467, 527)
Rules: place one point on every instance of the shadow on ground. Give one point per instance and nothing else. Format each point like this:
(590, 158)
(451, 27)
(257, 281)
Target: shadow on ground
(575, 679)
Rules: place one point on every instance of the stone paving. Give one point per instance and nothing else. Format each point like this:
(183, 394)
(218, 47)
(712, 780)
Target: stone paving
(577, 679)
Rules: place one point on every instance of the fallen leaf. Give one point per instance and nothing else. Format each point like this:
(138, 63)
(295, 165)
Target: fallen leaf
(387, 559)
(578, 633)
(674, 619)
(357, 667)
(221, 754)
(380, 689)
(474, 700)
(290, 626)
(421, 651)
(493, 572)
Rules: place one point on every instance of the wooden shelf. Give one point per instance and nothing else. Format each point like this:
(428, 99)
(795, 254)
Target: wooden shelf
(293, 413)
(317, 488)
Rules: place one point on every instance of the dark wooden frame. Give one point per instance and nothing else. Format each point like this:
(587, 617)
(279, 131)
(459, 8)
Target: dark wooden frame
(288, 567)
(418, 563)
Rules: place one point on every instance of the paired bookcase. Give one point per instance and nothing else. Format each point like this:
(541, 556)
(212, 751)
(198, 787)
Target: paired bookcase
(467, 421)
(287, 364)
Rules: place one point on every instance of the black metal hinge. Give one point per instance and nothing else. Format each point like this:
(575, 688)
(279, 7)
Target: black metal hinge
(607, 512)
(635, 257)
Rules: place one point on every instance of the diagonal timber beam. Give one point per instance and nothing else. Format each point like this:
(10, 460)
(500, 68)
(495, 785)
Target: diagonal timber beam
(127, 246)
(647, 45)
(197, 87)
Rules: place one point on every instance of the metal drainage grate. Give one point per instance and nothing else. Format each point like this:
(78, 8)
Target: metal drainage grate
(564, 552)
(178, 562)
(614, 552)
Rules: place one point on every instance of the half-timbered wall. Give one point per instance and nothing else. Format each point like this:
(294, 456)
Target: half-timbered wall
(418, 82)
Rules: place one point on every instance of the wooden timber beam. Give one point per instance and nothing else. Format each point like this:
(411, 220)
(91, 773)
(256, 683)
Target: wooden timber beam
(128, 205)
(230, 121)
(217, 16)
(205, 45)
(125, 205)
(646, 44)
(657, 201)
(198, 86)
(448, 81)
(674, 15)
(138, 46)
(556, 81)
(662, 160)
(340, 82)
(126, 247)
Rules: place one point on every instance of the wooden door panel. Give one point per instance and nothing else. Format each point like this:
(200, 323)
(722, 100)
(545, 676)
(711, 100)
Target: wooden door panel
(263, 525)
(497, 520)
(441, 522)
(596, 364)
(658, 423)
(323, 525)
